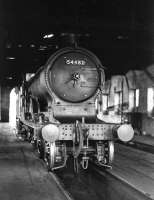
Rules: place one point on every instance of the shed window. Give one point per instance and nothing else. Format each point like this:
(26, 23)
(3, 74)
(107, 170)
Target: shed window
(137, 94)
(150, 99)
(134, 99)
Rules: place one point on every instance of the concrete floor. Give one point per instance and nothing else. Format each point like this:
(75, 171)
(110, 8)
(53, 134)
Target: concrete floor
(22, 175)
(135, 167)
(149, 140)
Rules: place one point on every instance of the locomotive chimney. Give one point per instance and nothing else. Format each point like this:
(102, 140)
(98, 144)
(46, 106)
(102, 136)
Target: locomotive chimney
(69, 39)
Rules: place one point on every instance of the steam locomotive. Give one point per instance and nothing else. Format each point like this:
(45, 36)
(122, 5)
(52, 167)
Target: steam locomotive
(57, 111)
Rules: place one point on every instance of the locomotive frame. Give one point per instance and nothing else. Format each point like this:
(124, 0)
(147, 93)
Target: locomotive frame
(68, 127)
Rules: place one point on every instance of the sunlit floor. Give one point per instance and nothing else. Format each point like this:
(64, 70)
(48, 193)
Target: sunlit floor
(22, 175)
(7, 133)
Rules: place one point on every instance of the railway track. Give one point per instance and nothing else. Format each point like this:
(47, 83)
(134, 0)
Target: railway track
(96, 183)
(120, 186)
(61, 186)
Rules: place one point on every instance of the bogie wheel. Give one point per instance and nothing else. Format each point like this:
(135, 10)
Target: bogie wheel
(40, 148)
(47, 161)
(49, 155)
(109, 152)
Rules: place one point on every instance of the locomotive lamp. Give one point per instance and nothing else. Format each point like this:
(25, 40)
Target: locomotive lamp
(50, 133)
(125, 132)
